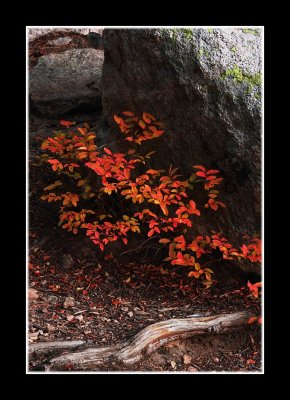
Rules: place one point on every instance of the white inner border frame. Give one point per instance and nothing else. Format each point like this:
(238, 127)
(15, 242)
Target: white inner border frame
(27, 203)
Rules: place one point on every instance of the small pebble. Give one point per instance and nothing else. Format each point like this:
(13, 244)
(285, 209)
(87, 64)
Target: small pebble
(69, 302)
(50, 328)
(32, 294)
(187, 359)
(192, 369)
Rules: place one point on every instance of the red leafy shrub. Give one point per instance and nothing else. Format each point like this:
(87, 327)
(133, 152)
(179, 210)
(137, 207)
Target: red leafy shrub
(166, 205)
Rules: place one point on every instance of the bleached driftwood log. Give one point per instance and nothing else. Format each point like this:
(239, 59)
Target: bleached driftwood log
(151, 338)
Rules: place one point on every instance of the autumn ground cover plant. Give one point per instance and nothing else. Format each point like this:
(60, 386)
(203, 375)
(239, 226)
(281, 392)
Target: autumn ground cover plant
(163, 206)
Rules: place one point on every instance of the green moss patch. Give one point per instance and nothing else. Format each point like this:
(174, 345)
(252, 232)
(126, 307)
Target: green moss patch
(242, 77)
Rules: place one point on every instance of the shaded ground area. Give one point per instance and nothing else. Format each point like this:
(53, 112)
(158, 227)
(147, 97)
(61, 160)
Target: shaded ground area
(83, 295)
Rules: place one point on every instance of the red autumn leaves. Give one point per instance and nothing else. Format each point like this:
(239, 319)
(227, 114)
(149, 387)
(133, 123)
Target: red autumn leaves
(139, 128)
(254, 288)
(211, 180)
(164, 199)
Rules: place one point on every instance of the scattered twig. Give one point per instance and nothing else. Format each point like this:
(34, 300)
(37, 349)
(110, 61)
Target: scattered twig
(139, 247)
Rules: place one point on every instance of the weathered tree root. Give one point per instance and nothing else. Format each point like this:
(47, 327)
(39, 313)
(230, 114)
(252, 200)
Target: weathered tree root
(145, 342)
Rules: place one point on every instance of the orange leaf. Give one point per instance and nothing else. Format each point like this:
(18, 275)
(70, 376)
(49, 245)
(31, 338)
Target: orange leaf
(151, 233)
(252, 320)
(146, 118)
(118, 120)
(116, 302)
(74, 202)
(107, 151)
(83, 131)
(128, 113)
(90, 137)
(82, 155)
(208, 276)
(199, 167)
(200, 173)
(142, 124)
(210, 178)
(254, 288)
(131, 151)
(158, 133)
(126, 173)
(66, 123)
(164, 240)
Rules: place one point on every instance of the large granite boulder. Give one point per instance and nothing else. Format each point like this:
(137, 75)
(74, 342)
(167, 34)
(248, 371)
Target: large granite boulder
(205, 85)
(66, 82)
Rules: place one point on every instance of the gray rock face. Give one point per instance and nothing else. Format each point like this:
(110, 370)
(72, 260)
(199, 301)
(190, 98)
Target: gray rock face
(66, 82)
(205, 86)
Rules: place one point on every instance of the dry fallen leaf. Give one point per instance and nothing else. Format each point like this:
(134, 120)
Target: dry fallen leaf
(32, 294)
(34, 335)
(173, 364)
(69, 317)
(69, 302)
(79, 317)
(50, 328)
(187, 359)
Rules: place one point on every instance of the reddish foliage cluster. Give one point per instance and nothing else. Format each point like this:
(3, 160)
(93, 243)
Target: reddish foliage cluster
(165, 199)
(139, 128)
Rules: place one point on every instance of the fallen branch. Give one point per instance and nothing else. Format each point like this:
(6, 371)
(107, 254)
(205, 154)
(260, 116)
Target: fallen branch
(50, 347)
(151, 338)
